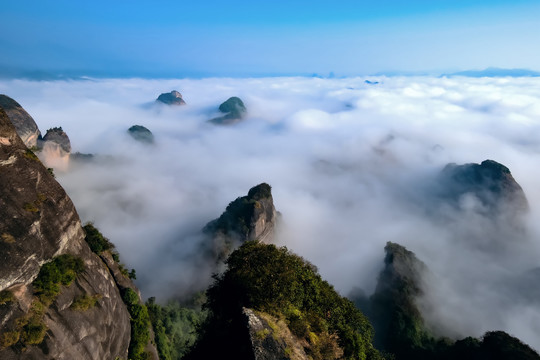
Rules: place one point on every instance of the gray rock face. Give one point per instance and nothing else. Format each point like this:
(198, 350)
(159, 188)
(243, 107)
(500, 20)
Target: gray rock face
(251, 217)
(490, 182)
(172, 98)
(234, 110)
(25, 126)
(38, 222)
(58, 136)
(55, 149)
(269, 343)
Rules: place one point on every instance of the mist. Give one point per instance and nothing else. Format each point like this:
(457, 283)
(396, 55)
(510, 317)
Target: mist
(350, 165)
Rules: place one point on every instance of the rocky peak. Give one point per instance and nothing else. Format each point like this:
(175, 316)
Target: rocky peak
(25, 126)
(55, 149)
(251, 217)
(58, 136)
(141, 133)
(234, 110)
(490, 182)
(38, 223)
(172, 98)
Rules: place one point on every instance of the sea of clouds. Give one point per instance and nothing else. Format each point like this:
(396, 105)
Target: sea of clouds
(350, 164)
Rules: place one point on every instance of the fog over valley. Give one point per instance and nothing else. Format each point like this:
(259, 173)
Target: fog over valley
(352, 165)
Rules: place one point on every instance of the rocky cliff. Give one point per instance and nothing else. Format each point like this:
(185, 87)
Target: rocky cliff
(233, 109)
(38, 224)
(399, 324)
(172, 98)
(25, 126)
(250, 217)
(55, 149)
(490, 183)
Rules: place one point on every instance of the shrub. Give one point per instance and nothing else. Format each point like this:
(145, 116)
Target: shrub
(85, 302)
(29, 154)
(6, 296)
(62, 270)
(9, 338)
(95, 239)
(140, 322)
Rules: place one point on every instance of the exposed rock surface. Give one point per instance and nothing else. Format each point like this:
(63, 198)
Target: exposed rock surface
(39, 222)
(234, 110)
(251, 217)
(490, 182)
(141, 133)
(172, 98)
(25, 126)
(55, 149)
(271, 339)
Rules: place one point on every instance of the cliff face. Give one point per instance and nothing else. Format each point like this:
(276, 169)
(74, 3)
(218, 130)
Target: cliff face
(25, 126)
(251, 217)
(172, 98)
(399, 325)
(38, 223)
(490, 182)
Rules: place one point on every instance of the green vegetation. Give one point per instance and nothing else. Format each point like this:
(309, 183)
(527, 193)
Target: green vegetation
(6, 296)
(85, 302)
(95, 239)
(30, 207)
(9, 338)
(277, 282)
(140, 322)
(51, 171)
(61, 271)
(174, 328)
(29, 154)
(8, 238)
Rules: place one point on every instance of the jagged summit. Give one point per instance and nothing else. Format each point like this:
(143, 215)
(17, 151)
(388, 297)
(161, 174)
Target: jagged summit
(234, 110)
(24, 124)
(251, 217)
(490, 182)
(171, 98)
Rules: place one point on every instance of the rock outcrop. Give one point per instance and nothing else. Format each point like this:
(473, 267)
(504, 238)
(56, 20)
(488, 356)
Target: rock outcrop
(172, 98)
(39, 222)
(55, 149)
(392, 308)
(25, 126)
(141, 133)
(490, 183)
(399, 325)
(270, 338)
(234, 110)
(251, 217)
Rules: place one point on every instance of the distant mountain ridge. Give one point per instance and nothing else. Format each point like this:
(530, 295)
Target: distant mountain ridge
(495, 72)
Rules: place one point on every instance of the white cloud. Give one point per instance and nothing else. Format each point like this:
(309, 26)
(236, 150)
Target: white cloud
(350, 165)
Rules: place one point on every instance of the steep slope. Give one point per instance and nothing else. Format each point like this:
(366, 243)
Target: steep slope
(39, 223)
(491, 184)
(250, 217)
(25, 126)
(399, 325)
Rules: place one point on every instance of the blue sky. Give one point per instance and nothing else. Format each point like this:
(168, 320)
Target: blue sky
(244, 38)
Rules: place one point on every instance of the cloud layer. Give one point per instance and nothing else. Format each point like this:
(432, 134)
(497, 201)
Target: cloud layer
(350, 165)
